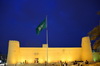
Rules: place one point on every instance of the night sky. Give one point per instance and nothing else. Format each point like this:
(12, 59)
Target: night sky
(68, 21)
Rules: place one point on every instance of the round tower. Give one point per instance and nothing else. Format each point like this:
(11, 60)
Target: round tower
(13, 52)
(86, 49)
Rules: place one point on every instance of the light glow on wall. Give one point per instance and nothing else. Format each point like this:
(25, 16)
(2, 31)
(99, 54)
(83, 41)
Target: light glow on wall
(96, 56)
(63, 59)
(54, 54)
(41, 61)
(22, 60)
(68, 59)
(30, 61)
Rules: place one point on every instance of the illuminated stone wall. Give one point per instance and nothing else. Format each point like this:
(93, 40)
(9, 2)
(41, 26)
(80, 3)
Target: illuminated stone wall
(54, 54)
(13, 52)
(86, 49)
(18, 54)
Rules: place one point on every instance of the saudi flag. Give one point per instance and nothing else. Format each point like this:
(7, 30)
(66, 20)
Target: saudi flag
(41, 26)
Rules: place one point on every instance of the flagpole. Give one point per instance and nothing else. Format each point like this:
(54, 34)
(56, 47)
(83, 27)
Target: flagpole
(46, 31)
(47, 39)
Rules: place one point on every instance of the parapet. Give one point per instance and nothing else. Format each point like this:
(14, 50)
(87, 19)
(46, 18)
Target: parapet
(44, 45)
(86, 40)
(13, 42)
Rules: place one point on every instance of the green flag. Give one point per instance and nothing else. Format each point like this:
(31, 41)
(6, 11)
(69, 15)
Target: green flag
(41, 26)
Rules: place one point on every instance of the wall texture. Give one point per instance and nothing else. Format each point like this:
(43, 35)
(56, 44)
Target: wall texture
(86, 49)
(18, 54)
(54, 54)
(13, 52)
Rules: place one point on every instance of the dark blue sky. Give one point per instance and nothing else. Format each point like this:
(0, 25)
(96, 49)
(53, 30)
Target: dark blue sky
(68, 21)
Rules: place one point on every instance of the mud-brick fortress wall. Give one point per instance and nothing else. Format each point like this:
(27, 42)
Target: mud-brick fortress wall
(17, 54)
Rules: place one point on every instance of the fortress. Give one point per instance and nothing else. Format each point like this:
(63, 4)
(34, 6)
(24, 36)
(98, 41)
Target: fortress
(17, 54)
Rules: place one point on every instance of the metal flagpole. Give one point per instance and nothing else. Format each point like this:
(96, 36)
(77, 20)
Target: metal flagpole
(47, 38)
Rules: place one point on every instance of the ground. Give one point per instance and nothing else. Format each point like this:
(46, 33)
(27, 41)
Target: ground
(57, 64)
